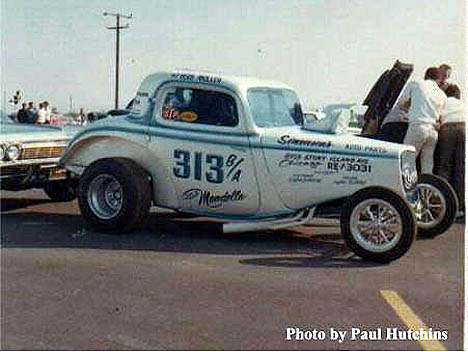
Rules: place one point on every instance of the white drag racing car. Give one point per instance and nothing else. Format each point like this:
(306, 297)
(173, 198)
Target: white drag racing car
(237, 148)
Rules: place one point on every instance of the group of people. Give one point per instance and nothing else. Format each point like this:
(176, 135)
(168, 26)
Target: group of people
(430, 116)
(30, 114)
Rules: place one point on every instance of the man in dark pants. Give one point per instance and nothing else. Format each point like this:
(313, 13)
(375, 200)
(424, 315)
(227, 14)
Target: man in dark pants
(22, 115)
(450, 150)
(31, 113)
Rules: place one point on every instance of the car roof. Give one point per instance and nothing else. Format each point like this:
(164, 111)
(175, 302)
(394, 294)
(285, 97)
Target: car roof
(238, 84)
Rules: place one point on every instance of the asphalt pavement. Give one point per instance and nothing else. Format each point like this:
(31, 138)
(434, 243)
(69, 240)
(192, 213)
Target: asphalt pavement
(180, 283)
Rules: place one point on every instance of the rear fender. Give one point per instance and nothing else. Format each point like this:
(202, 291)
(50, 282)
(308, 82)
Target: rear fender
(84, 152)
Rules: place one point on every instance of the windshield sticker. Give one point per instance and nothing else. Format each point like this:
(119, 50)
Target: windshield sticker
(290, 141)
(212, 200)
(169, 113)
(188, 116)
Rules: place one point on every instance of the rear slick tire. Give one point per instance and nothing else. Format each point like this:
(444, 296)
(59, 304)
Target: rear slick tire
(114, 195)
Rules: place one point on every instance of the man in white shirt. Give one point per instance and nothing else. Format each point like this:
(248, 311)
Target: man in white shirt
(47, 111)
(41, 119)
(450, 151)
(426, 103)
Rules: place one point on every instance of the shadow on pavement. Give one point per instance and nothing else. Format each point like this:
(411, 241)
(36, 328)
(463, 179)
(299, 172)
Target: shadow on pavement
(322, 261)
(170, 232)
(8, 204)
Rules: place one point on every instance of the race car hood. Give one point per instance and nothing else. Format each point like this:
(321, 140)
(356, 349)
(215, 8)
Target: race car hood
(15, 132)
(385, 92)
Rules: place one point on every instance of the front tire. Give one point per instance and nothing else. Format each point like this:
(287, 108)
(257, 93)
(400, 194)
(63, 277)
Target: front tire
(435, 205)
(377, 224)
(114, 195)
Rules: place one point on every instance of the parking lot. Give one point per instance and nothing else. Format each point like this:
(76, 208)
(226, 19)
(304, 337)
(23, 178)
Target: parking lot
(179, 283)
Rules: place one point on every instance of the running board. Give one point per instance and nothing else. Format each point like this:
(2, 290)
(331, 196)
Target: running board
(303, 217)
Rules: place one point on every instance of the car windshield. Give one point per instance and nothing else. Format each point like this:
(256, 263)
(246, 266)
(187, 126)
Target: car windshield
(274, 107)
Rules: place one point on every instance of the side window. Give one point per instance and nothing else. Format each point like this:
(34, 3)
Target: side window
(198, 106)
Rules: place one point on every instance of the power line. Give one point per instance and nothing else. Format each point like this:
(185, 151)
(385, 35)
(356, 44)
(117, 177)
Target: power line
(117, 29)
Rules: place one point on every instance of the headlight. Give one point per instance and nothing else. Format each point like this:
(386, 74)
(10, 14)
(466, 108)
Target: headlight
(2, 152)
(13, 152)
(409, 174)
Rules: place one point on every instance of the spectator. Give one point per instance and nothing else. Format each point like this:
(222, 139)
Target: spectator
(42, 114)
(22, 115)
(445, 71)
(426, 103)
(91, 117)
(47, 111)
(82, 117)
(395, 125)
(31, 112)
(450, 150)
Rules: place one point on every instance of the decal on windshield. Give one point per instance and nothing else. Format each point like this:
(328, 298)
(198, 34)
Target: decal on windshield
(188, 116)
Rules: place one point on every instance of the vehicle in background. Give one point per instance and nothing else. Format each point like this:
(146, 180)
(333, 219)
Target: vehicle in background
(435, 201)
(28, 159)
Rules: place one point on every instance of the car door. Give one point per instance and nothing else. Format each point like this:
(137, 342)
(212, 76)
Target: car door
(199, 133)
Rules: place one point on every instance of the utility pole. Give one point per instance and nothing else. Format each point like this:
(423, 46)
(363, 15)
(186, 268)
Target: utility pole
(117, 29)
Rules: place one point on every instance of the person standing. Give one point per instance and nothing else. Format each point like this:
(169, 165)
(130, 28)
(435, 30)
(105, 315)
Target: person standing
(42, 114)
(47, 111)
(450, 150)
(445, 72)
(426, 103)
(22, 115)
(31, 113)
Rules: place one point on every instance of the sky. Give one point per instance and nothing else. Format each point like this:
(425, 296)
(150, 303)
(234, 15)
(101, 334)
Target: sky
(330, 51)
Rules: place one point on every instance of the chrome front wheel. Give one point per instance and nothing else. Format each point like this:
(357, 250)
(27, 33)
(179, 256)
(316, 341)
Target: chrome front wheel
(429, 205)
(377, 224)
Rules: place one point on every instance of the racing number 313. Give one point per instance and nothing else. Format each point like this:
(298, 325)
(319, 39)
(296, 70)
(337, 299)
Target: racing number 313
(183, 168)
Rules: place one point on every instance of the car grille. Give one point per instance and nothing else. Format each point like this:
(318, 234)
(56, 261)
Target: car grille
(14, 169)
(42, 152)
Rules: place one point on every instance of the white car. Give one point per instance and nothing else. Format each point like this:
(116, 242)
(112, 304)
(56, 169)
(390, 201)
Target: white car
(236, 148)
(28, 159)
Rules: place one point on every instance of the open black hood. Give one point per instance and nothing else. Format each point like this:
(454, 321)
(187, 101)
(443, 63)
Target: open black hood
(385, 92)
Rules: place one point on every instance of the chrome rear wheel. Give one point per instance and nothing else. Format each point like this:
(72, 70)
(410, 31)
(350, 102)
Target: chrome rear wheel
(105, 196)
